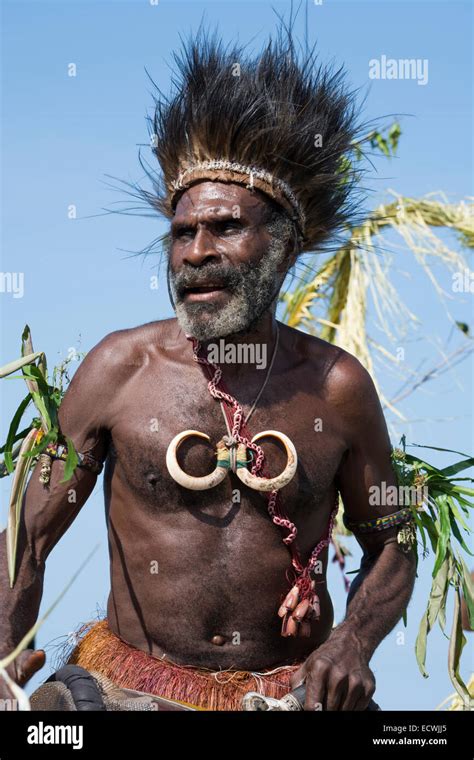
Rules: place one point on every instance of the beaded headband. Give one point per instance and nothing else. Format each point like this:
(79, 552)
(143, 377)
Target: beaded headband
(220, 170)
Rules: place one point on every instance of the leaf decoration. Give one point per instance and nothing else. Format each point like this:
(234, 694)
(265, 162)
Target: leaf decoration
(456, 645)
(20, 477)
(436, 601)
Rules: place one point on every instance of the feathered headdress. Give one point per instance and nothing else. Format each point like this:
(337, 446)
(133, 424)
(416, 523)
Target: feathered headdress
(276, 122)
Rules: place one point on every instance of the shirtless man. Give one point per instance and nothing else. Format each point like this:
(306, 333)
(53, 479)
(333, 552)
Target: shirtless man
(221, 564)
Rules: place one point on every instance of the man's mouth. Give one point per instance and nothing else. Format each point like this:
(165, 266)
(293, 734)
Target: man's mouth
(203, 292)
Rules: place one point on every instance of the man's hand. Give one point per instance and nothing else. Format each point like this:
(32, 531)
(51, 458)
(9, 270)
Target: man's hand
(336, 675)
(22, 669)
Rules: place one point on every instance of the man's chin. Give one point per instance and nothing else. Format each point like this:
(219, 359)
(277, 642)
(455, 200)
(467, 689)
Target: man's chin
(207, 322)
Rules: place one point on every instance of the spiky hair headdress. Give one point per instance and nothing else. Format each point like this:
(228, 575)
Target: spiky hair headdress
(276, 122)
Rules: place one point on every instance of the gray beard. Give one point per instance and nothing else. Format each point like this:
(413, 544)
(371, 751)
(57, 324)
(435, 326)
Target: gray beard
(252, 288)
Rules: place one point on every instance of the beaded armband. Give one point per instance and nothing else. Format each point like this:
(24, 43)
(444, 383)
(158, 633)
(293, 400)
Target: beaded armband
(59, 451)
(379, 523)
(406, 536)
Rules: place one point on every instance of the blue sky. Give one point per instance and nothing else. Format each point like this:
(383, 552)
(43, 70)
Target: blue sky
(63, 135)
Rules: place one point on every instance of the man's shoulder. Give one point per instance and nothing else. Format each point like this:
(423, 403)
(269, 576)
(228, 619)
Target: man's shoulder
(119, 354)
(107, 367)
(128, 345)
(341, 373)
(346, 386)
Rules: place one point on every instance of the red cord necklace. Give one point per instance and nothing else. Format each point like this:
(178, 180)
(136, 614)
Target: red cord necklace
(301, 603)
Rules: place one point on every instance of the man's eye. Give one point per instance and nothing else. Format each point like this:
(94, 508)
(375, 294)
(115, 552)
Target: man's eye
(183, 232)
(229, 228)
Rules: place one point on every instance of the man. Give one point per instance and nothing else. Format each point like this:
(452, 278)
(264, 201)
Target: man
(207, 601)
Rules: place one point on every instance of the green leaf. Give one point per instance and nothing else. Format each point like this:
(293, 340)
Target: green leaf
(442, 606)
(458, 467)
(421, 529)
(463, 503)
(420, 645)
(41, 407)
(8, 369)
(16, 498)
(457, 534)
(438, 448)
(444, 534)
(452, 505)
(467, 491)
(383, 144)
(429, 525)
(33, 373)
(71, 460)
(442, 618)
(14, 377)
(437, 595)
(394, 134)
(436, 603)
(463, 326)
(18, 436)
(26, 342)
(27, 347)
(14, 424)
(456, 645)
(467, 590)
(419, 464)
(432, 505)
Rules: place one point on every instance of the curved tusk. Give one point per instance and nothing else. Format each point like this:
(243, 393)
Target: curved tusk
(193, 482)
(267, 484)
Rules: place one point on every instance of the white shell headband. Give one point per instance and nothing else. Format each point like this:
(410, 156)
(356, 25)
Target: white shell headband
(250, 176)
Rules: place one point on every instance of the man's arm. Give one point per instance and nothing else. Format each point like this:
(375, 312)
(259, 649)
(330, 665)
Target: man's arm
(337, 673)
(49, 510)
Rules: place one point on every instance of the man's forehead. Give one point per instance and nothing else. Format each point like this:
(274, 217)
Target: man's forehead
(220, 198)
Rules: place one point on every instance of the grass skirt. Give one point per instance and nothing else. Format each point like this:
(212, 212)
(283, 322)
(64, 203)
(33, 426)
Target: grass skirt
(99, 649)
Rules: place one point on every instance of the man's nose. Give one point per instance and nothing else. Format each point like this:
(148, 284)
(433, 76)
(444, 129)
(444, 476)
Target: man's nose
(201, 249)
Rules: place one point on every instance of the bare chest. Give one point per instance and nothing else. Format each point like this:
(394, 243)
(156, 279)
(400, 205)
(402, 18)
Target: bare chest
(149, 413)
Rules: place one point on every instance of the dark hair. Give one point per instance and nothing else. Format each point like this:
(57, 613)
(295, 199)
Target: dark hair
(268, 116)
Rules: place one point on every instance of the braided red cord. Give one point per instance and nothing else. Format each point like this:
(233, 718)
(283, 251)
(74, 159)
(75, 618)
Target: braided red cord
(234, 413)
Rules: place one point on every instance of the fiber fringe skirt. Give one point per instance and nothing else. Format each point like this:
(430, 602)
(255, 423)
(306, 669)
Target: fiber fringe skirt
(99, 649)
